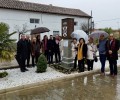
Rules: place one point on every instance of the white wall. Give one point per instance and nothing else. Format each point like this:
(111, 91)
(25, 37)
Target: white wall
(51, 21)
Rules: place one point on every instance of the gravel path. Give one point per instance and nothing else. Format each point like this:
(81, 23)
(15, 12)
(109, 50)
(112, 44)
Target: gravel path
(16, 78)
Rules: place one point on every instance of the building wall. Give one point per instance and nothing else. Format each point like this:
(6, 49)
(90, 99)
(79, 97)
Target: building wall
(16, 18)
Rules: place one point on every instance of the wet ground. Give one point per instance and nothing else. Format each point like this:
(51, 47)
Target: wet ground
(90, 87)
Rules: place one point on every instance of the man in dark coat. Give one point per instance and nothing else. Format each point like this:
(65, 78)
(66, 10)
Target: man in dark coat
(112, 47)
(50, 47)
(22, 53)
(28, 49)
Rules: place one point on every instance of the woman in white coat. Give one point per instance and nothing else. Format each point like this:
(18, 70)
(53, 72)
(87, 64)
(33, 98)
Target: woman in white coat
(91, 53)
(61, 46)
(74, 52)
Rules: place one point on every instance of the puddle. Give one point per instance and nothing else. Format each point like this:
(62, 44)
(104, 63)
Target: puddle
(90, 87)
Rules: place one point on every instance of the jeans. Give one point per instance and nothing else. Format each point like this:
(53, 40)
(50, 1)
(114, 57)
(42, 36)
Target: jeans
(102, 60)
(50, 57)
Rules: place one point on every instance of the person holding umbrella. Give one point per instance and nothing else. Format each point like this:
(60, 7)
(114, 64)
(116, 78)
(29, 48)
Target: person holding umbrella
(102, 52)
(112, 48)
(45, 46)
(38, 48)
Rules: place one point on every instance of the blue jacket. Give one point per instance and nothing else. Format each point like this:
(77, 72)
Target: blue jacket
(102, 46)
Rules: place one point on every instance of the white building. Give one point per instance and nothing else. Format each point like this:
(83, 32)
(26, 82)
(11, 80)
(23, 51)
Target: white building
(18, 13)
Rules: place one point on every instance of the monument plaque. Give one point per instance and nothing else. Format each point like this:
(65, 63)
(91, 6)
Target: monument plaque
(67, 29)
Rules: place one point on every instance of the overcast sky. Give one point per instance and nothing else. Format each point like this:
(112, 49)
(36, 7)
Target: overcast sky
(106, 13)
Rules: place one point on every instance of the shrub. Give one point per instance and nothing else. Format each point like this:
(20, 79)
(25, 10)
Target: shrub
(3, 74)
(41, 64)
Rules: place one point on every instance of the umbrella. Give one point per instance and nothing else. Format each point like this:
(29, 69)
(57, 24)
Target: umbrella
(96, 34)
(79, 34)
(40, 30)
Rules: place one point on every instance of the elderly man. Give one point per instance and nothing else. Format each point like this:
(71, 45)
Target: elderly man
(112, 47)
(22, 53)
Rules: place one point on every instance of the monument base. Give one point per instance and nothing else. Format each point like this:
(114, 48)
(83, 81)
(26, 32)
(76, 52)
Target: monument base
(67, 60)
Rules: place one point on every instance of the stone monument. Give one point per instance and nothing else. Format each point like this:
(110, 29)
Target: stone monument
(67, 29)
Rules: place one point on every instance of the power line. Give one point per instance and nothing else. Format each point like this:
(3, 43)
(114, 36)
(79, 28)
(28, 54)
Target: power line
(108, 20)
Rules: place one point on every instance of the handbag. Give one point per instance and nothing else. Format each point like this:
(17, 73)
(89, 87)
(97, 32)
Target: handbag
(95, 59)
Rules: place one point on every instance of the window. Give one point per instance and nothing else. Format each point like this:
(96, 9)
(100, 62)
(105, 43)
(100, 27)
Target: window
(36, 20)
(33, 20)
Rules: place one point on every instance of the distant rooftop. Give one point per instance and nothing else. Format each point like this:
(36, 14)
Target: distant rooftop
(36, 7)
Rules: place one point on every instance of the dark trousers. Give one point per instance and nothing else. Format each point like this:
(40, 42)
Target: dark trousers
(113, 66)
(81, 65)
(21, 62)
(37, 54)
(50, 57)
(102, 60)
(33, 60)
(75, 62)
(90, 64)
(46, 54)
(28, 60)
(57, 56)
(23, 65)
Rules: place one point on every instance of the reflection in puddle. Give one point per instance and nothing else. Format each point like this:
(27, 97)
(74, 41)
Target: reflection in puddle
(90, 87)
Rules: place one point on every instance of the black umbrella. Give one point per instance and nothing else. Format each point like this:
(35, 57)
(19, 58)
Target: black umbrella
(40, 30)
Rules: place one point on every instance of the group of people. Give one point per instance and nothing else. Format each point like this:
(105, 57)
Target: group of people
(36, 46)
(86, 52)
(82, 52)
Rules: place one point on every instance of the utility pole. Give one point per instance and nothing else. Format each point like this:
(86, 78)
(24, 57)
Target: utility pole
(91, 23)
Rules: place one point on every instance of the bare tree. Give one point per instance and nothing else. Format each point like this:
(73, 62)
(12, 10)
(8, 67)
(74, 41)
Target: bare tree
(86, 28)
(21, 30)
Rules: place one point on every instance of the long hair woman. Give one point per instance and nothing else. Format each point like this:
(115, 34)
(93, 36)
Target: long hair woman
(81, 55)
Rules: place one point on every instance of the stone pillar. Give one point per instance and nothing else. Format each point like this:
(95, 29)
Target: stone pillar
(67, 29)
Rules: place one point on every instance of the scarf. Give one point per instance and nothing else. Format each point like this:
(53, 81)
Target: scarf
(111, 46)
(80, 52)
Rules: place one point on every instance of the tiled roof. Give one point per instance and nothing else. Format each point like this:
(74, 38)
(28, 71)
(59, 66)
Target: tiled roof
(27, 6)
